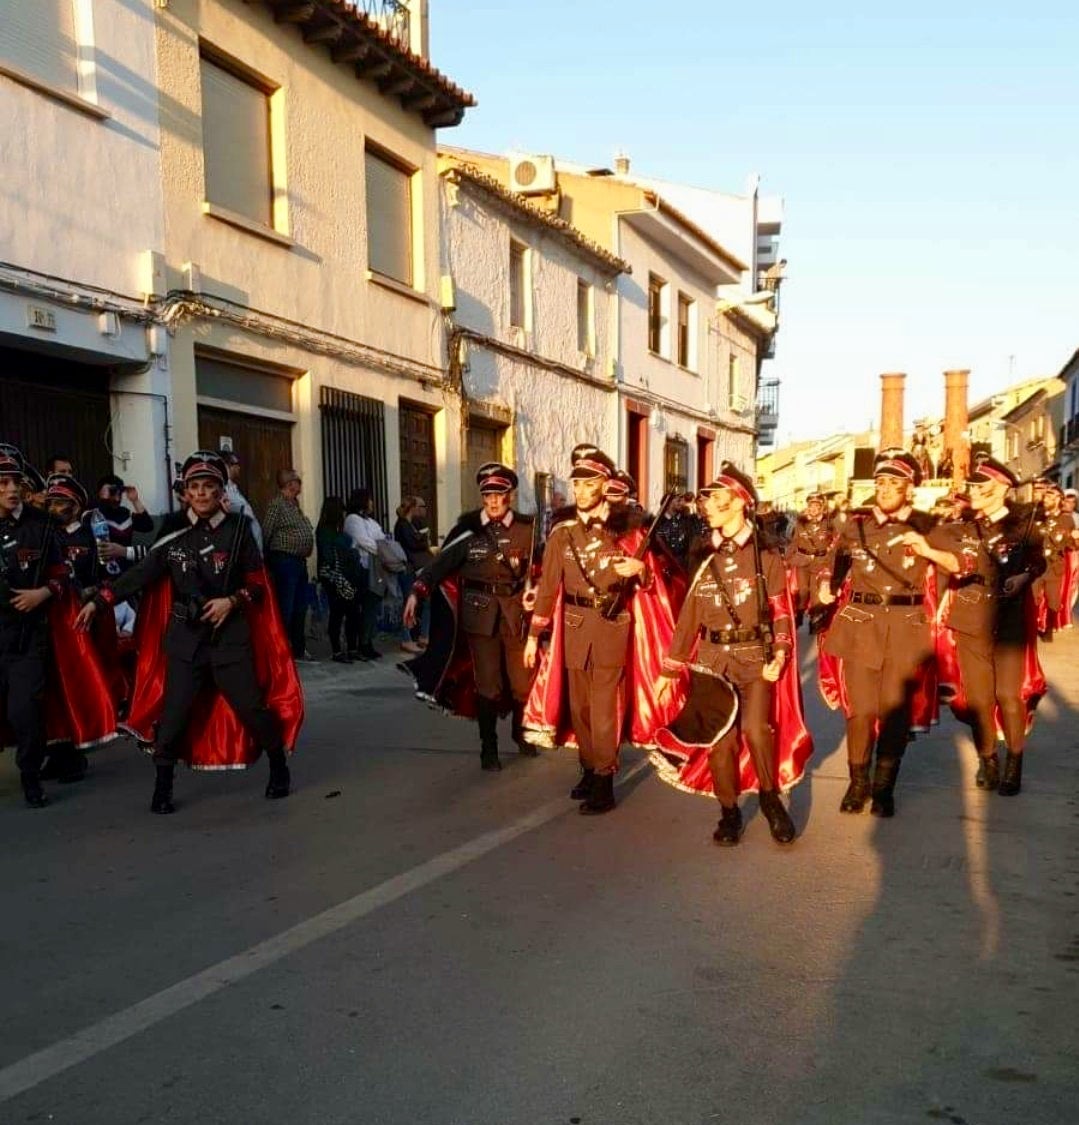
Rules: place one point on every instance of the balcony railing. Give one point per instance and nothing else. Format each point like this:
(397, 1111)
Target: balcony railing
(391, 15)
(1069, 434)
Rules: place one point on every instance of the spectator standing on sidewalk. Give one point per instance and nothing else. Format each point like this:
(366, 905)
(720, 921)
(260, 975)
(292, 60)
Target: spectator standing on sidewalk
(237, 501)
(365, 532)
(417, 547)
(342, 578)
(289, 539)
(120, 553)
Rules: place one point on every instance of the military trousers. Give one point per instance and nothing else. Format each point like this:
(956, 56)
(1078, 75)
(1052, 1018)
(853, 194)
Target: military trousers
(754, 722)
(233, 674)
(992, 673)
(22, 696)
(497, 659)
(595, 703)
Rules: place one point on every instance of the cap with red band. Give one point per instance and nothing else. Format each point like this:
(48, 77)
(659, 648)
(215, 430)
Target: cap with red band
(732, 479)
(204, 464)
(496, 477)
(62, 486)
(590, 463)
(989, 470)
(897, 463)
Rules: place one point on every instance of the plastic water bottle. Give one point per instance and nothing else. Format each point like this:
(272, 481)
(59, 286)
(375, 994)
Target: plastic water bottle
(99, 528)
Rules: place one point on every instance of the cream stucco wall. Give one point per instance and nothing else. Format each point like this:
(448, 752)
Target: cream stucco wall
(322, 117)
(550, 411)
(81, 201)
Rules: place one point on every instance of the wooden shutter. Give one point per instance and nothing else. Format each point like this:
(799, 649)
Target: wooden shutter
(236, 143)
(38, 36)
(389, 219)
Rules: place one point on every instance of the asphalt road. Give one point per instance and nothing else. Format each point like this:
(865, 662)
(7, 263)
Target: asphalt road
(409, 940)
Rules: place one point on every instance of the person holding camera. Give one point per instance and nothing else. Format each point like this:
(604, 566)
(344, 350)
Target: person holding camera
(217, 633)
(120, 552)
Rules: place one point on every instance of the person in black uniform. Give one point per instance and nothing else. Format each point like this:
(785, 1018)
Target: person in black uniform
(207, 638)
(31, 572)
(490, 549)
(66, 500)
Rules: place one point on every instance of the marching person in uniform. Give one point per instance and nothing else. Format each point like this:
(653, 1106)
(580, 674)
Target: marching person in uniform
(490, 552)
(881, 632)
(587, 568)
(810, 543)
(993, 556)
(31, 573)
(215, 573)
(735, 635)
(1056, 529)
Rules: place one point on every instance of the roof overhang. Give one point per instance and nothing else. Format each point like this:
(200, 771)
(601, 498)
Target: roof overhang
(357, 42)
(664, 225)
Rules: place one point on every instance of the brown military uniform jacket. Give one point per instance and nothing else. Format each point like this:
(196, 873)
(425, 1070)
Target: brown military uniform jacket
(811, 542)
(989, 552)
(492, 561)
(1056, 534)
(578, 558)
(721, 619)
(886, 614)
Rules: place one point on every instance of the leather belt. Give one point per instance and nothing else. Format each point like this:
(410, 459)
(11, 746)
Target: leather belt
(728, 636)
(497, 589)
(972, 580)
(586, 600)
(887, 599)
(812, 554)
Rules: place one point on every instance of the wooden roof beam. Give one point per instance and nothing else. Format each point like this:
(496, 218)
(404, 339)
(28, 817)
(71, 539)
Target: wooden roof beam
(352, 51)
(323, 33)
(293, 12)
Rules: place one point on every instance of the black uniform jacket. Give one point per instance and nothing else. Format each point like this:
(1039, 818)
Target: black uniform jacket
(492, 561)
(29, 558)
(195, 559)
(989, 552)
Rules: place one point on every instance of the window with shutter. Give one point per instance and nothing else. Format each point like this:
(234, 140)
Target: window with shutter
(38, 37)
(236, 142)
(389, 218)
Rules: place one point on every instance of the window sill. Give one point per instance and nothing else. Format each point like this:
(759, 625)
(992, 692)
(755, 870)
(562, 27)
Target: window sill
(659, 355)
(242, 222)
(65, 97)
(688, 370)
(395, 286)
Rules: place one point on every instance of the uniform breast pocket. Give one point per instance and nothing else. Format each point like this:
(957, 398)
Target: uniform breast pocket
(854, 615)
(476, 601)
(573, 620)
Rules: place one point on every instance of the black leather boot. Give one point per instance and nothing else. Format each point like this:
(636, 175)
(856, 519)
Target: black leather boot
(779, 820)
(32, 792)
(1012, 781)
(887, 770)
(601, 799)
(487, 717)
(161, 802)
(583, 789)
(280, 780)
(525, 748)
(857, 792)
(988, 776)
(729, 830)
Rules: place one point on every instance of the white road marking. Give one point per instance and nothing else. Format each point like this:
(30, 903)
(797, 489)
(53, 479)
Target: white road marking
(108, 1032)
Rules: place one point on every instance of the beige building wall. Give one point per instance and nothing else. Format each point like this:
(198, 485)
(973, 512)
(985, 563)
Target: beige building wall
(299, 295)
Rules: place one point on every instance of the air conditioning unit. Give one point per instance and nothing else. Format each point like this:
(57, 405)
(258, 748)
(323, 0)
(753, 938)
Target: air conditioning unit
(738, 403)
(532, 175)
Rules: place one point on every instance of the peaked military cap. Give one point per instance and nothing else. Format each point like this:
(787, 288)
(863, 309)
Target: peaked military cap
(11, 461)
(496, 477)
(589, 463)
(620, 487)
(988, 470)
(732, 479)
(63, 486)
(818, 496)
(204, 464)
(897, 463)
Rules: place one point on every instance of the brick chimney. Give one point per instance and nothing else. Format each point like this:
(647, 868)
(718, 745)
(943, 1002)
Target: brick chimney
(956, 444)
(891, 410)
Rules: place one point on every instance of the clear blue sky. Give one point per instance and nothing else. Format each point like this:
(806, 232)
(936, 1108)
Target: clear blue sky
(927, 157)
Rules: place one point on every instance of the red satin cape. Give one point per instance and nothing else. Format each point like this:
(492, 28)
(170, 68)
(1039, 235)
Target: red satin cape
(215, 739)
(793, 743)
